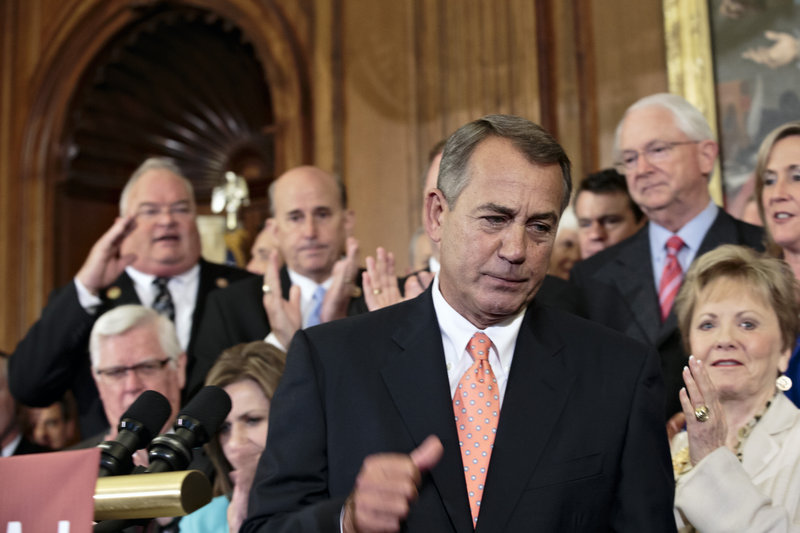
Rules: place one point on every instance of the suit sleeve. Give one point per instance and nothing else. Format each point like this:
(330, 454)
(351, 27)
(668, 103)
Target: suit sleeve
(46, 361)
(646, 485)
(290, 492)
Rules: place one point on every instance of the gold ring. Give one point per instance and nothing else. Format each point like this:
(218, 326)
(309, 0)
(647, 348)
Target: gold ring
(701, 413)
(376, 291)
(266, 289)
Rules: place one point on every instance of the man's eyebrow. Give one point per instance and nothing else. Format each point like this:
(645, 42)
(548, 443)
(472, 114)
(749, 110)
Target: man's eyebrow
(495, 208)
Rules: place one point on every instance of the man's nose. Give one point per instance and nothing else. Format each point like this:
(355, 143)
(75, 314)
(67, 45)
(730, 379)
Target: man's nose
(597, 231)
(310, 227)
(514, 244)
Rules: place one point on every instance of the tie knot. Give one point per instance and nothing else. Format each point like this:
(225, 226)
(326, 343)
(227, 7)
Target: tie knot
(674, 244)
(478, 347)
(161, 283)
(319, 293)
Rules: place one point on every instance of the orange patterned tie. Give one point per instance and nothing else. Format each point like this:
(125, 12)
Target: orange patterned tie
(477, 408)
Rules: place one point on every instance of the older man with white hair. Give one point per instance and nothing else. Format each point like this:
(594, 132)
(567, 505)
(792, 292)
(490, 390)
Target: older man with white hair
(149, 256)
(666, 150)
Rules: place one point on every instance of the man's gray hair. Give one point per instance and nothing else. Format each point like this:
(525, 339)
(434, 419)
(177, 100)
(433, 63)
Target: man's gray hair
(124, 318)
(538, 147)
(687, 117)
(153, 163)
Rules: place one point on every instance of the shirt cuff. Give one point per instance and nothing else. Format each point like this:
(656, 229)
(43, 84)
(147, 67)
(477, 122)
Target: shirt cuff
(90, 302)
(273, 340)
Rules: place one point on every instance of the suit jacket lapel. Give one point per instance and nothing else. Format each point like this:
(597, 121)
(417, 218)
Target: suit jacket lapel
(767, 439)
(635, 282)
(721, 231)
(121, 292)
(426, 407)
(538, 386)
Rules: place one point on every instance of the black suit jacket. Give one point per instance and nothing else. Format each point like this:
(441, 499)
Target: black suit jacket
(237, 315)
(620, 292)
(580, 445)
(53, 355)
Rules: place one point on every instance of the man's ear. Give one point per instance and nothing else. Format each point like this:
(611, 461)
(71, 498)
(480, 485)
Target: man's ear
(707, 155)
(436, 209)
(349, 222)
(181, 369)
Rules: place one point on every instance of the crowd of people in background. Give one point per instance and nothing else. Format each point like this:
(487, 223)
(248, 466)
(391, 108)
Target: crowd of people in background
(684, 348)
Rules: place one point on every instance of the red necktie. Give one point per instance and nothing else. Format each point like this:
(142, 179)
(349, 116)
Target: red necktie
(477, 408)
(671, 277)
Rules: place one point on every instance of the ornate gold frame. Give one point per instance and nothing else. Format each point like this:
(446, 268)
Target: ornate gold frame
(690, 64)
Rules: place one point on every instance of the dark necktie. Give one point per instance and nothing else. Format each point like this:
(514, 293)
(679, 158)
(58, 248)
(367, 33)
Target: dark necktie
(163, 303)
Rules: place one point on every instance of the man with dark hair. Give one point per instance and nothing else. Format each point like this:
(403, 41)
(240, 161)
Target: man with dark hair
(473, 404)
(150, 256)
(605, 211)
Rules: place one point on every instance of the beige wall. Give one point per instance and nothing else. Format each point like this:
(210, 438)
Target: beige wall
(386, 80)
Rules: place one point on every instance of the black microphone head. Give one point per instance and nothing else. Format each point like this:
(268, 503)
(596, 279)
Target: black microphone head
(151, 410)
(206, 412)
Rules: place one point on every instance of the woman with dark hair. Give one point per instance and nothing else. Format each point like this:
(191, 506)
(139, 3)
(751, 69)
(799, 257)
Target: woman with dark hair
(249, 373)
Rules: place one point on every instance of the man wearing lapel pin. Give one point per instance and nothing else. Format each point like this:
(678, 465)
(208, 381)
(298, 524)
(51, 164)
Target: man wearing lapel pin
(473, 406)
(149, 256)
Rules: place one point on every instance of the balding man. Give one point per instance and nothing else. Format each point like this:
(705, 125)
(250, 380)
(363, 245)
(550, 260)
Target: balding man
(320, 281)
(667, 151)
(150, 256)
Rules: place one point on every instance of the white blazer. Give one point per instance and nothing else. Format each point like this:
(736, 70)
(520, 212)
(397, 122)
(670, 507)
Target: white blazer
(760, 494)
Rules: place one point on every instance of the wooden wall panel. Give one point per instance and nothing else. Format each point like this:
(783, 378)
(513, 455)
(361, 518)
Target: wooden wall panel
(365, 88)
(629, 62)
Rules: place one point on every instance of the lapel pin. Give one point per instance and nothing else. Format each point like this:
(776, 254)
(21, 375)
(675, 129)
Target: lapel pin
(112, 293)
(222, 283)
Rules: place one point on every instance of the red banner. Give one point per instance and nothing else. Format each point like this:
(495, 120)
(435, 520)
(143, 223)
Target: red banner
(48, 492)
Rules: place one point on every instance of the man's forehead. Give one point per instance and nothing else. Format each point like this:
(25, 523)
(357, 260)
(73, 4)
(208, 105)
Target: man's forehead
(154, 183)
(132, 347)
(645, 125)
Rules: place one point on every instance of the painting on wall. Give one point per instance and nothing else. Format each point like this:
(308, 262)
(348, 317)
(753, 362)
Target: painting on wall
(750, 59)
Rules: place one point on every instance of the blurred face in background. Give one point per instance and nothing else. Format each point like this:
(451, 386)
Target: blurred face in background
(244, 433)
(165, 240)
(50, 427)
(781, 194)
(131, 363)
(604, 219)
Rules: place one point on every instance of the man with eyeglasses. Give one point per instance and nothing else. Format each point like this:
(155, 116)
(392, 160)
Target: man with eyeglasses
(134, 349)
(666, 150)
(149, 256)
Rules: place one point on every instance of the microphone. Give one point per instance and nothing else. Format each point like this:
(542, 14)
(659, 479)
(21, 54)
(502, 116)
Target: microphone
(196, 423)
(138, 425)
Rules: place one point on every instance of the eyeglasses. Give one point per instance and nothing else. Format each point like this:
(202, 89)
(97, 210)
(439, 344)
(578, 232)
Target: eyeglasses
(655, 153)
(150, 211)
(144, 369)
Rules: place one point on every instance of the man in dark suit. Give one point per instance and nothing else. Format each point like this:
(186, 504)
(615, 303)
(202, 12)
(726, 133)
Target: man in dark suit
(667, 152)
(12, 440)
(311, 228)
(154, 241)
(368, 431)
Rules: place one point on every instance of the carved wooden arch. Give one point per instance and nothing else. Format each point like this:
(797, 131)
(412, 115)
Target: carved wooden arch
(81, 36)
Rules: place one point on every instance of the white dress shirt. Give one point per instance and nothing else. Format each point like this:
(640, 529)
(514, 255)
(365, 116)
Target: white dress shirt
(457, 331)
(183, 289)
(307, 289)
(692, 234)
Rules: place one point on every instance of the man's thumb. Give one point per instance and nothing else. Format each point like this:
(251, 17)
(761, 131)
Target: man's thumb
(428, 453)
